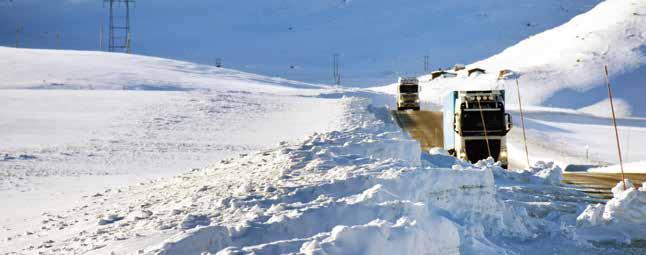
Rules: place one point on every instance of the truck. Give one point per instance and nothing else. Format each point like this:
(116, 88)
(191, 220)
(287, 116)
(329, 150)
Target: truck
(476, 125)
(408, 94)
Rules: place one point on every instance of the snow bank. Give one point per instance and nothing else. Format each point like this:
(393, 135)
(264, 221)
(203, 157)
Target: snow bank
(540, 173)
(360, 190)
(622, 219)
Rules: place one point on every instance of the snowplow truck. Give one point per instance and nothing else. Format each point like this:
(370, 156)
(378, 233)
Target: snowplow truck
(476, 125)
(408, 94)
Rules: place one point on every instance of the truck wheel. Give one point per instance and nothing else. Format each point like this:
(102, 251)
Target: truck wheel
(416, 109)
(399, 109)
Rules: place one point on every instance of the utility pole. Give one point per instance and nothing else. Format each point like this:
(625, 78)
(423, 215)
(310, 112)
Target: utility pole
(335, 72)
(101, 37)
(120, 36)
(426, 62)
(18, 31)
(128, 43)
(58, 40)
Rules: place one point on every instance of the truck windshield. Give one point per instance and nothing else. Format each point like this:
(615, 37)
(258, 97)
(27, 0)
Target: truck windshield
(408, 89)
(472, 123)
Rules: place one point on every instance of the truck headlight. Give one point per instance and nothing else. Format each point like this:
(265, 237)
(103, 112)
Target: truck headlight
(502, 156)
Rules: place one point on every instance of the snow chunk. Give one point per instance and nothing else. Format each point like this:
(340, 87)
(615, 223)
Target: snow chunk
(406, 236)
(109, 219)
(194, 220)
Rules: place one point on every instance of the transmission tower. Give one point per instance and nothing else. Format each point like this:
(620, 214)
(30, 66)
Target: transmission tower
(426, 62)
(335, 72)
(120, 36)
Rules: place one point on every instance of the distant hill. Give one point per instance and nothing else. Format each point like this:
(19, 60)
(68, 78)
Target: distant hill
(564, 66)
(376, 39)
(68, 69)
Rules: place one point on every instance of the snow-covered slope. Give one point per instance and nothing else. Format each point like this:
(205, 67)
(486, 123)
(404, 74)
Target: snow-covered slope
(61, 141)
(564, 66)
(376, 39)
(64, 69)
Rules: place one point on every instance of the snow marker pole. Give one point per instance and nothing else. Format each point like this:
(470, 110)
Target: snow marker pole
(522, 121)
(614, 121)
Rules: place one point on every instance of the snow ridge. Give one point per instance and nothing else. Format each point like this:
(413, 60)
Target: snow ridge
(360, 189)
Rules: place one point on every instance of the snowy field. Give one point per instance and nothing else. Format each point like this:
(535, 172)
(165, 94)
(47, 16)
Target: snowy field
(119, 154)
(68, 142)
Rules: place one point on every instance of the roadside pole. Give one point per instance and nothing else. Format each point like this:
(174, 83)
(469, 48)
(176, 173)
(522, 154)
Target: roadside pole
(522, 121)
(614, 122)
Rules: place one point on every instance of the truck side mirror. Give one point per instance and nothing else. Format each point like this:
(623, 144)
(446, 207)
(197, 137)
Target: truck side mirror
(508, 122)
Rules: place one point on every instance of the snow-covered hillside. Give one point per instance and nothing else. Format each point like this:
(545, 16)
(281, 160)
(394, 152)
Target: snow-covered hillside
(60, 141)
(63, 69)
(564, 66)
(376, 39)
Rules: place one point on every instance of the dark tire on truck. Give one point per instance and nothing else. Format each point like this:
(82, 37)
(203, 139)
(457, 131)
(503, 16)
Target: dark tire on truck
(416, 109)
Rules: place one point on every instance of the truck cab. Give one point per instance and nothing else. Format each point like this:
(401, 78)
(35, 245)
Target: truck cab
(408, 94)
(476, 125)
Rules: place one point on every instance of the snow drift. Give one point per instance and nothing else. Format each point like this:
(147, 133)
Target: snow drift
(622, 219)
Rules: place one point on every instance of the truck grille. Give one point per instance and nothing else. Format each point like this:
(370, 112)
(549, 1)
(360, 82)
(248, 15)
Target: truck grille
(477, 149)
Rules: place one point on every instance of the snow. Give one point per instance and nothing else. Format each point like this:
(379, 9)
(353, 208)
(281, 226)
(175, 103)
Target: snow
(603, 109)
(632, 167)
(561, 78)
(564, 66)
(195, 159)
(621, 219)
(66, 69)
(65, 142)
(363, 188)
